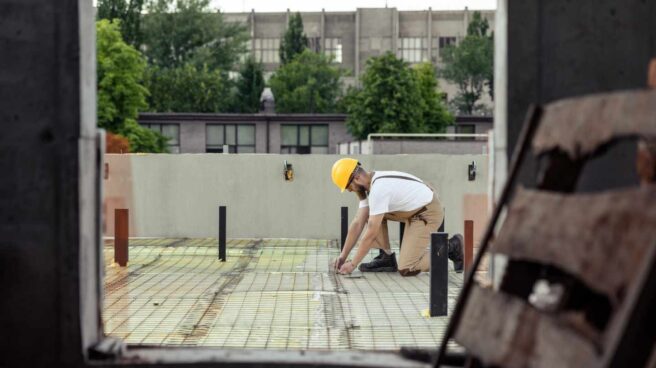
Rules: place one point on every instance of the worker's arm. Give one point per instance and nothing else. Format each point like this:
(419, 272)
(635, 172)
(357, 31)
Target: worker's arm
(354, 231)
(373, 228)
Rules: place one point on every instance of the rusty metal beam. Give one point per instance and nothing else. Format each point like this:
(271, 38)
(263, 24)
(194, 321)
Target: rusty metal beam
(469, 244)
(121, 235)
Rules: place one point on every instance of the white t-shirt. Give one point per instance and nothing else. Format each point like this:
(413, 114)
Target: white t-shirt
(394, 194)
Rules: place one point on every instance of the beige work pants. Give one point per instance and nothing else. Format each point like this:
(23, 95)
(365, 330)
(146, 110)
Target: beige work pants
(419, 224)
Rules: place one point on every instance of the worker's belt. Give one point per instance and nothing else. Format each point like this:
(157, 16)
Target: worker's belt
(418, 215)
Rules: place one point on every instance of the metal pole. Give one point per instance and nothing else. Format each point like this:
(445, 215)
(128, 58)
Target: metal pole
(469, 244)
(121, 234)
(439, 274)
(401, 231)
(344, 226)
(222, 233)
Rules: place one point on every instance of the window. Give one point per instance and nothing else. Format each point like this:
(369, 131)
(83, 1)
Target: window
(334, 49)
(170, 131)
(267, 50)
(240, 138)
(465, 129)
(304, 139)
(314, 44)
(413, 49)
(447, 41)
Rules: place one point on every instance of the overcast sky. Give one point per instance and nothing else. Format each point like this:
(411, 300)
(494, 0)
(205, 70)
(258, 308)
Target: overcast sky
(232, 6)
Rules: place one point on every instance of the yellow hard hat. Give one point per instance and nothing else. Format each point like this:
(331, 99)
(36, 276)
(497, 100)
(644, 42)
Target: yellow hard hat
(342, 170)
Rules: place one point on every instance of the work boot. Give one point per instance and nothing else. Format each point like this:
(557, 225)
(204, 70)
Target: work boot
(456, 254)
(382, 263)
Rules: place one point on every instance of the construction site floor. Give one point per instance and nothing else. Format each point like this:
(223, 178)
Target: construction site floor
(269, 294)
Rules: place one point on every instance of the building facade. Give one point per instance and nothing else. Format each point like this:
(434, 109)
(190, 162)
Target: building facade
(249, 133)
(353, 37)
(292, 133)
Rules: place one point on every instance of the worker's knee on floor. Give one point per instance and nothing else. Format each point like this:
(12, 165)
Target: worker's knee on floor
(406, 272)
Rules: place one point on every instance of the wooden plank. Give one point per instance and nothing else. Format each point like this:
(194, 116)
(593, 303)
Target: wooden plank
(630, 337)
(504, 331)
(598, 237)
(579, 125)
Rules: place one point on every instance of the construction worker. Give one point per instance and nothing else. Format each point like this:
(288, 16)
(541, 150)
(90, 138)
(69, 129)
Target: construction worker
(395, 196)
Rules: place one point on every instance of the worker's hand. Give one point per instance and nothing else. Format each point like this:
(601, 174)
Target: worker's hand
(339, 261)
(347, 268)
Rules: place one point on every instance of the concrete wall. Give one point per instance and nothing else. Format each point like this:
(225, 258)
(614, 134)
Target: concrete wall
(382, 147)
(553, 49)
(179, 195)
(414, 146)
(342, 25)
(48, 194)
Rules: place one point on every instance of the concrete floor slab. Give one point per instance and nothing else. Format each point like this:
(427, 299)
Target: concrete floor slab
(269, 294)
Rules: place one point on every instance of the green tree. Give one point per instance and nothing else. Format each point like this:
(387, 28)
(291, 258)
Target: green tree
(436, 117)
(180, 32)
(120, 91)
(129, 13)
(309, 83)
(470, 64)
(294, 41)
(388, 100)
(188, 89)
(249, 87)
(478, 26)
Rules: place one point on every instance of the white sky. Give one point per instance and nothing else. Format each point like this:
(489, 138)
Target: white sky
(232, 6)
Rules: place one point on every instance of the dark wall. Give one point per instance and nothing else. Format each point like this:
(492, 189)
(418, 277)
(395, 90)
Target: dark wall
(40, 189)
(563, 48)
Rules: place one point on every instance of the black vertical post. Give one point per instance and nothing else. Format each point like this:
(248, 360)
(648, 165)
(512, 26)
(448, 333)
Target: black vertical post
(222, 233)
(344, 226)
(439, 276)
(401, 230)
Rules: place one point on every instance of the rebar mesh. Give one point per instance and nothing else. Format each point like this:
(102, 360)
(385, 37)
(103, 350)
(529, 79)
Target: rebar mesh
(269, 294)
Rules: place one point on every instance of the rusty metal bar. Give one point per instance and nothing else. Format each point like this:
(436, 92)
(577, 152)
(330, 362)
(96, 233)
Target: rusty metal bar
(469, 244)
(222, 233)
(439, 274)
(121, 234)
(529, 127)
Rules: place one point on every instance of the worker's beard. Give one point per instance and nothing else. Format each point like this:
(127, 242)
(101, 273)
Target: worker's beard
(361, 192)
